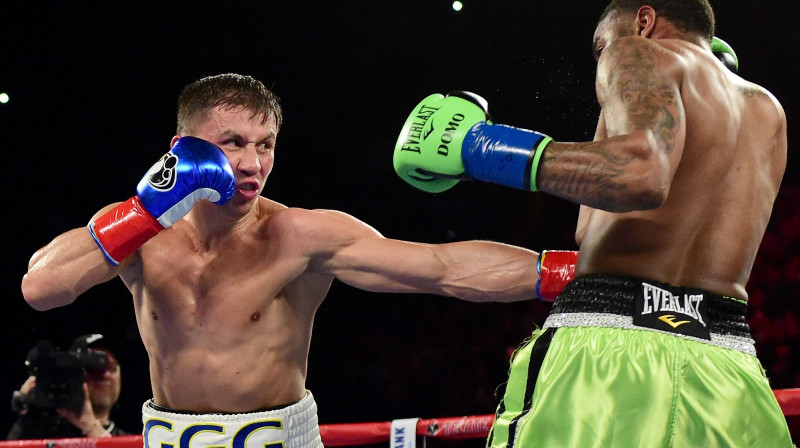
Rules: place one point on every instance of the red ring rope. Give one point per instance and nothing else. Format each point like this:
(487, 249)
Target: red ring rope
(352, 434)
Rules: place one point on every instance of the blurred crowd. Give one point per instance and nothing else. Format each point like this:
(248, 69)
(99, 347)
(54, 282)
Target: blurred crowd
(773, 287)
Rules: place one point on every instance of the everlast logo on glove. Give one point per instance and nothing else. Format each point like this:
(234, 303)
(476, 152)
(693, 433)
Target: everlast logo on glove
(162, 175)
(672, 309)
(414, 135)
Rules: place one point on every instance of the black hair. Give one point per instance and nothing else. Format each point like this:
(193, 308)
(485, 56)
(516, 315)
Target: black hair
(694, 16)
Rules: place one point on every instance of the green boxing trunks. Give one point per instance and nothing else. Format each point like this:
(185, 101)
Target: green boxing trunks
(623, 362)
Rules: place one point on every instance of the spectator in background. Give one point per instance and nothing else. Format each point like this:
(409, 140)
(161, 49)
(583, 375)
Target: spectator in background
(101, 391)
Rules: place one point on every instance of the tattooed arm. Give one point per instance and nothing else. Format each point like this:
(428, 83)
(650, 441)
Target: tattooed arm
(640, 136)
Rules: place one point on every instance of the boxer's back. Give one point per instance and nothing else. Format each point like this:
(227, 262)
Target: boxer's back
(707, 232)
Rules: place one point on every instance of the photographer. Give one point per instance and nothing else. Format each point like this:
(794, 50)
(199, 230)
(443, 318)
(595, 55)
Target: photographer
(78, 390)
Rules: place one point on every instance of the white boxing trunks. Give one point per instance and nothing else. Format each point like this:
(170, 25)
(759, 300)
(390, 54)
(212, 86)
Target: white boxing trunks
(292, 426)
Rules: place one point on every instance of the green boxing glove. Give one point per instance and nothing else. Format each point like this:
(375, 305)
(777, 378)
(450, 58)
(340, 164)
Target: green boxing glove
(450, 138)
(725, 53)
(428, 152)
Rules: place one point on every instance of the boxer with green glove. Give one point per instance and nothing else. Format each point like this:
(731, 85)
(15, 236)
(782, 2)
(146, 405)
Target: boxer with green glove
(449, 138)
(648, 343)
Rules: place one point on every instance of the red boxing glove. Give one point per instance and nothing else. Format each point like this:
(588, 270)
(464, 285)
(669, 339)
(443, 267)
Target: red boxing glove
(123, 229)
(556, 268)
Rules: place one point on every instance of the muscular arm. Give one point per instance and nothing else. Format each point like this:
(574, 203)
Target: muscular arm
(585, 212)
(65, 268)
(479, 271)
(632, 166)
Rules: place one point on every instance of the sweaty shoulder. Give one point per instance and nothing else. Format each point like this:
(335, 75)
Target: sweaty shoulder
(761, 96)
(318, 231)
(768, 129)
(702, 62)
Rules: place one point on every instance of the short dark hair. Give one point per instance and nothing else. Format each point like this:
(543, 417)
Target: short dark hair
(689, 15)
(228, 90)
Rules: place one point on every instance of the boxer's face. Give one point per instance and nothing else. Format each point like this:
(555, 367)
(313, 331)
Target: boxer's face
(249, 144)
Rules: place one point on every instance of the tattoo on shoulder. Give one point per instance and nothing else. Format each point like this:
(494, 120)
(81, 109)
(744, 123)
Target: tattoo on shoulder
(637, 95)
(642, 94)
(748, 90)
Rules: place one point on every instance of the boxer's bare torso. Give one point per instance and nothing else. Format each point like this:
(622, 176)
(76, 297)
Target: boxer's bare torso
(226, 321)
(693, 212)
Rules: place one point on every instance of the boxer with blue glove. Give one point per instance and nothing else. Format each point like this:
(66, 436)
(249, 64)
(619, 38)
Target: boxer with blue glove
(225, 293)
(192, 170)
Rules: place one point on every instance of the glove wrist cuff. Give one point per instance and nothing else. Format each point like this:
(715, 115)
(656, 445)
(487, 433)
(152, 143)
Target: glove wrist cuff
(556, 268)
(535, 160)
(503, 154)
(123, 229)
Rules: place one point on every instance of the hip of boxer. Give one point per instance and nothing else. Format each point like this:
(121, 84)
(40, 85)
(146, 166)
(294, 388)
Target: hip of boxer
(291, 426)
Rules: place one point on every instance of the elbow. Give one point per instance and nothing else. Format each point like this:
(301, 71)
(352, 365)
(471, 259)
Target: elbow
(639, 197)
(647, 195)
(32, 293)
(647, 179)
(36, 293)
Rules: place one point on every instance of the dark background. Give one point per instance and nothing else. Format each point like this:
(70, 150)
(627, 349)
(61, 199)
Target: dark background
(93, 88)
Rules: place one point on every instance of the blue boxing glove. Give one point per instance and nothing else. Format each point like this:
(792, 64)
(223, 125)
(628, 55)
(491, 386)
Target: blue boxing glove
(193, 169)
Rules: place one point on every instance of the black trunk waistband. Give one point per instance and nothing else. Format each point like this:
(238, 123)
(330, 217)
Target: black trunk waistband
(626, 296)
